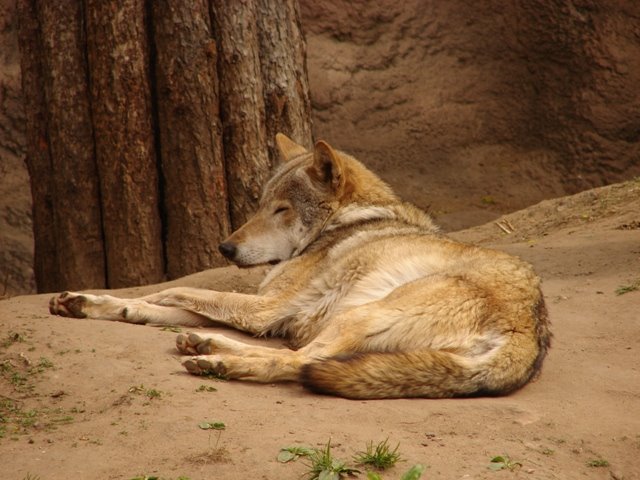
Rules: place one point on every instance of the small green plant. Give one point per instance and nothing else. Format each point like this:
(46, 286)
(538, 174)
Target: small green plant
(42, 365)
(597, 463)
(323, 466)
(633, 286)
(64, 420)
(380, 456)
(150, 393)
(29, 418)
(153, 393)
(212, 426)
(13, 337)
(293, 452)
(31, 477)
(503, 462)
(414, 473)
(17, 379)
(206, 388)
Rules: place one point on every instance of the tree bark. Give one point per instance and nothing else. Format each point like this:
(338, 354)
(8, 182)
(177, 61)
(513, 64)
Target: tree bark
(38, 156)
(76, 207)
(121, 91)
(195, 191)
(283, 54)
(118, 54)
(242, 105)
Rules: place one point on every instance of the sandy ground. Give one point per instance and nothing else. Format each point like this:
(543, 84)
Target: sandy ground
(100, 400)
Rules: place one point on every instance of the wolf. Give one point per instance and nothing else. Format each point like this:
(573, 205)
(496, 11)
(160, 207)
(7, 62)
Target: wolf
(373, 300)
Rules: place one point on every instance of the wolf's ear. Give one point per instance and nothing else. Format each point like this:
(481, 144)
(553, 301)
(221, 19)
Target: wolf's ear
(288, 148)
(327, 168)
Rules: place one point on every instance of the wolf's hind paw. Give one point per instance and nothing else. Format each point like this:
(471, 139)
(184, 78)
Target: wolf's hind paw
(194, 344)
(211, 364)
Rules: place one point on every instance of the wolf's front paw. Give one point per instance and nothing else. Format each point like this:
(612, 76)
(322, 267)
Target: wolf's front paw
(194, 344)
(68, 304)
(210, 364)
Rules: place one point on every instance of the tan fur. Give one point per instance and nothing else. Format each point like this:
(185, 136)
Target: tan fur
(374, 302)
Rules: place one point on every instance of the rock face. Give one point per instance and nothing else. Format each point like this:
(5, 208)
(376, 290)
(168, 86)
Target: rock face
(469, 109)
(479, 107)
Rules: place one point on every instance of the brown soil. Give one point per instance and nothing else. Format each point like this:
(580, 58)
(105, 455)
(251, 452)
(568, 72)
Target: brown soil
(84, 409)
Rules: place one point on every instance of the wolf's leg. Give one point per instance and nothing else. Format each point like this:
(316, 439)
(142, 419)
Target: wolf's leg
(403, 321)
(249, 313)
(278, 365)
(215, 343)
(221, 355)
(176, 306)
(106, 307)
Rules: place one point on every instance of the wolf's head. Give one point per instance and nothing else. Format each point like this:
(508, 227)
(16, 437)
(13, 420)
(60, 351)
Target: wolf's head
(306, 190)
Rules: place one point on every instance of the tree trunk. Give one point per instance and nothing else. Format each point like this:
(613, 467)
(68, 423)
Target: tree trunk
(38, 156)
(142, 81)
(195, 201)
(76, 207)
(283, 55)
(241, 104)
(118, 55)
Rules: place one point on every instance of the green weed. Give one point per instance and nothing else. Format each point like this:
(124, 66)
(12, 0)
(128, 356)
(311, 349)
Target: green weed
(13, 337)
(293, 452)
(503, 462)
(414, 473)
(43, 364)
(380, 456)
(212, 426)
(633, 286)
(323, 466)
(206, 388)
(150, 393)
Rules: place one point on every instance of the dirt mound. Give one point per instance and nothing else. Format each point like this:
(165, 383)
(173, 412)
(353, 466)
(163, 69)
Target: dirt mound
(614, 206)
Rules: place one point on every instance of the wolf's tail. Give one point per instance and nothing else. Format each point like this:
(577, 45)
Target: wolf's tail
(429, 374)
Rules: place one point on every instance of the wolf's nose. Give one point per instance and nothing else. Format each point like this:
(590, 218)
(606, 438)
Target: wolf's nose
(228, 250)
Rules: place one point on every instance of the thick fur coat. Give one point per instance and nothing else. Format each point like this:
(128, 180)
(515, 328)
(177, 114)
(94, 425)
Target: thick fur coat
(373, 301)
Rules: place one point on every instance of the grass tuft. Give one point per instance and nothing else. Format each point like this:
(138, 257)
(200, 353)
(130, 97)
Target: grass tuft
(323, 466)
(632, 287)
(380, 456)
